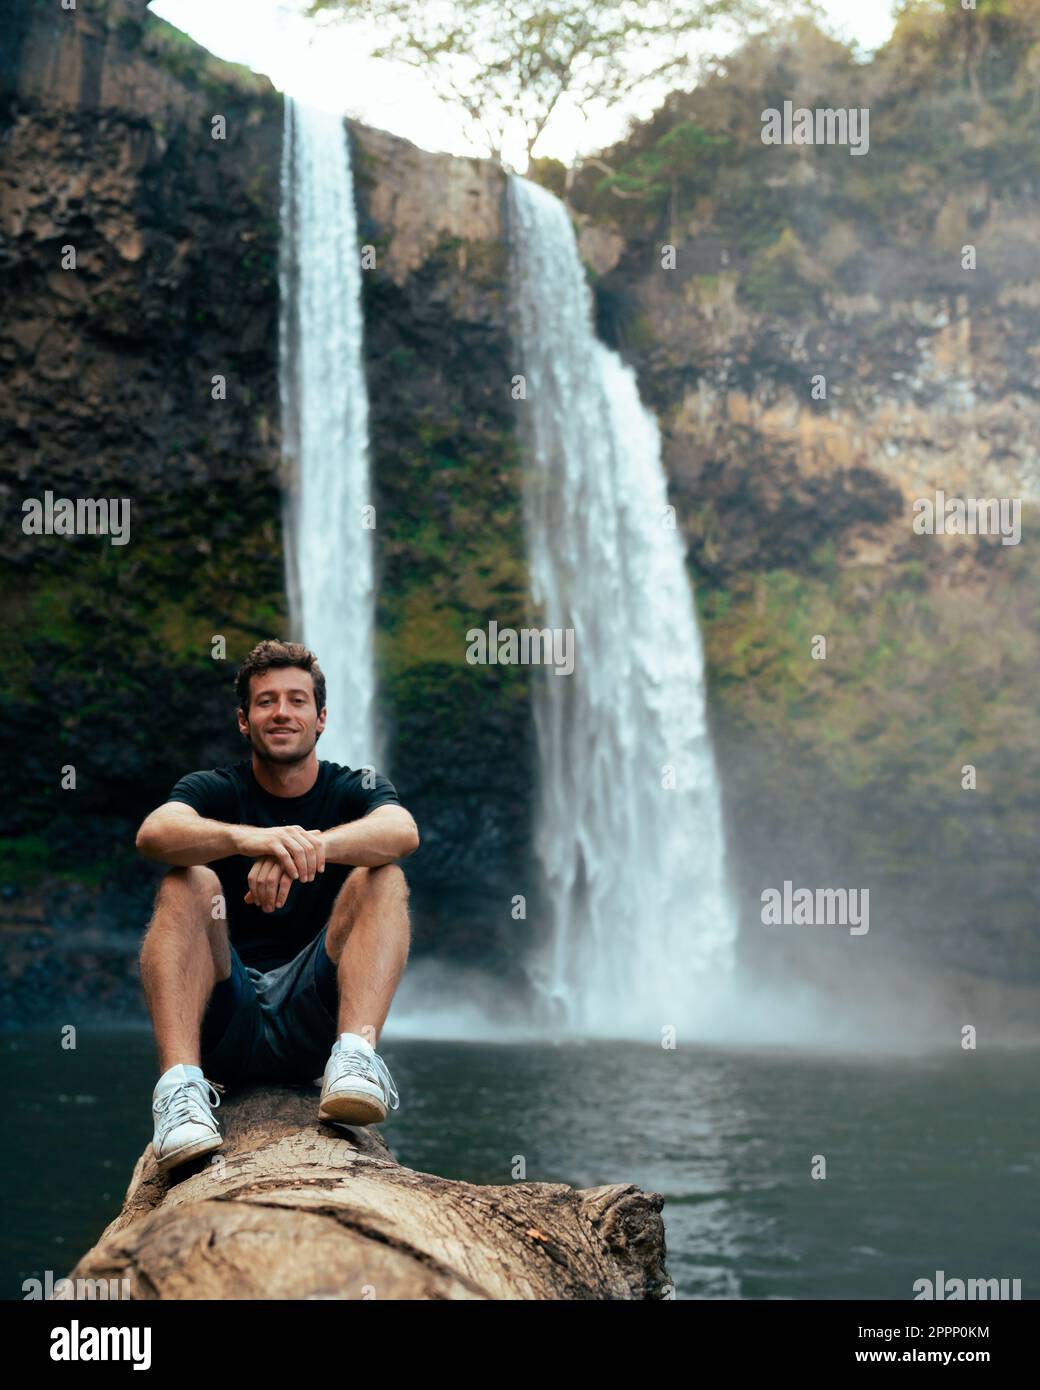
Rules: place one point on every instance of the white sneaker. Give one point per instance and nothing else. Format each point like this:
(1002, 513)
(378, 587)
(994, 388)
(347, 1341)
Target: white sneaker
(184, 1123)
(357, 1086)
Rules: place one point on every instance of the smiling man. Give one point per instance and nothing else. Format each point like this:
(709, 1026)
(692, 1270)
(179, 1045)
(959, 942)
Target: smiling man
(281, 932)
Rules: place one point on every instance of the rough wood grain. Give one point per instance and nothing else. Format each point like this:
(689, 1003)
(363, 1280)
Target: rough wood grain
(291, 1208)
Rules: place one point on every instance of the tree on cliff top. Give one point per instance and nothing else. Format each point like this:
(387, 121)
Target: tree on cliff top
(510, 63)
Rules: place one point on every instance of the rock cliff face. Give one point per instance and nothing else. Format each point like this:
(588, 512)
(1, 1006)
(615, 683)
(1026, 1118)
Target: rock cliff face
(107, 149)
(447, 469)
(107, 130)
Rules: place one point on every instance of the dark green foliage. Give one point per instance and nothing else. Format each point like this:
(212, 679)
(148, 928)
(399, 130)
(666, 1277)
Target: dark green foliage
(674, 171)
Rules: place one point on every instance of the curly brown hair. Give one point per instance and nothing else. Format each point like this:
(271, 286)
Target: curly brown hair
(272, 654)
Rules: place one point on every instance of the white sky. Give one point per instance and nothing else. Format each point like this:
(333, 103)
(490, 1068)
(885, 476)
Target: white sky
(331, 68)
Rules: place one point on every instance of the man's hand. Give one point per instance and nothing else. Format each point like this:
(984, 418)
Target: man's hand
(270, 881)
(269, 885)
(299, 853)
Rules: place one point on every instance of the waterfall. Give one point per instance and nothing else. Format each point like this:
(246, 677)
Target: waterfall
(628, 833)
(329, 561)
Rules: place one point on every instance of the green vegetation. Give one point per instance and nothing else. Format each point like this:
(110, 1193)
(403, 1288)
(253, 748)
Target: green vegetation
(113, 644)
(774, 283)
(453, 549)
(676, 169)
(916, 682)
(954, 99)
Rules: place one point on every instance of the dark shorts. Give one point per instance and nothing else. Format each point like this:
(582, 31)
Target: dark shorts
(277, 1025)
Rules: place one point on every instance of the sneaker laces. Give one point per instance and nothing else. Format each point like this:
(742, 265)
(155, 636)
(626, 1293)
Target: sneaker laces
(356, 1061)
(187, 1102)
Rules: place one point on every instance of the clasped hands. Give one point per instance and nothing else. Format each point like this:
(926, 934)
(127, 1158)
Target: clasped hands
(282, 855)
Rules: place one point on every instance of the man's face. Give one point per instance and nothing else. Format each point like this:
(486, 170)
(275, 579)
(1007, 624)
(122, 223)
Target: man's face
(282, 722)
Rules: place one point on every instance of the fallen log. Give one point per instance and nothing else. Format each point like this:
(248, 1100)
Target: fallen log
(291, 1208)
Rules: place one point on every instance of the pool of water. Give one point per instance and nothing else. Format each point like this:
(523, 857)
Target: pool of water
(931, 1163)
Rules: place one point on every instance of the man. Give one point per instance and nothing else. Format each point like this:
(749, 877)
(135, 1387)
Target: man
(280, 934)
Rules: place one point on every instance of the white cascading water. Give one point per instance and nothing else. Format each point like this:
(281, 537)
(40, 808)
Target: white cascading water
(329, 562)
(628, 830)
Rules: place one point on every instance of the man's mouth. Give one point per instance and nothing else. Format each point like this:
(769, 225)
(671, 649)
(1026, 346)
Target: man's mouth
(282, 733)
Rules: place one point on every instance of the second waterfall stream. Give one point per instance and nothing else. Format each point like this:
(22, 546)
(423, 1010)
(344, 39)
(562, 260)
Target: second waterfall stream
(641, 931)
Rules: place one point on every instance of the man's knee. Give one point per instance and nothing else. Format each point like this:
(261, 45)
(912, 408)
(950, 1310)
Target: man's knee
(188, 904)
(193, 894)
(384, 884)
(385, 880)
(195, 879)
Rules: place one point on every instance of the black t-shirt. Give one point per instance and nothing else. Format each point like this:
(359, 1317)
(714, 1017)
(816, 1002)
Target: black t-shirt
(232, 794)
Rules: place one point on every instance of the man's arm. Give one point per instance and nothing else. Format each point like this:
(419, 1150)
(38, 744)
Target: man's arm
(176, 834)
(386, 834)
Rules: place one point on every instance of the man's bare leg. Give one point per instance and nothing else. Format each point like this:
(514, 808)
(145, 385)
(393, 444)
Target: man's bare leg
(183, 956)
(367, 939)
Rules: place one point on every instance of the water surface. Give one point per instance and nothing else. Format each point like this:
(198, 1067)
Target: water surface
(932, 1164)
